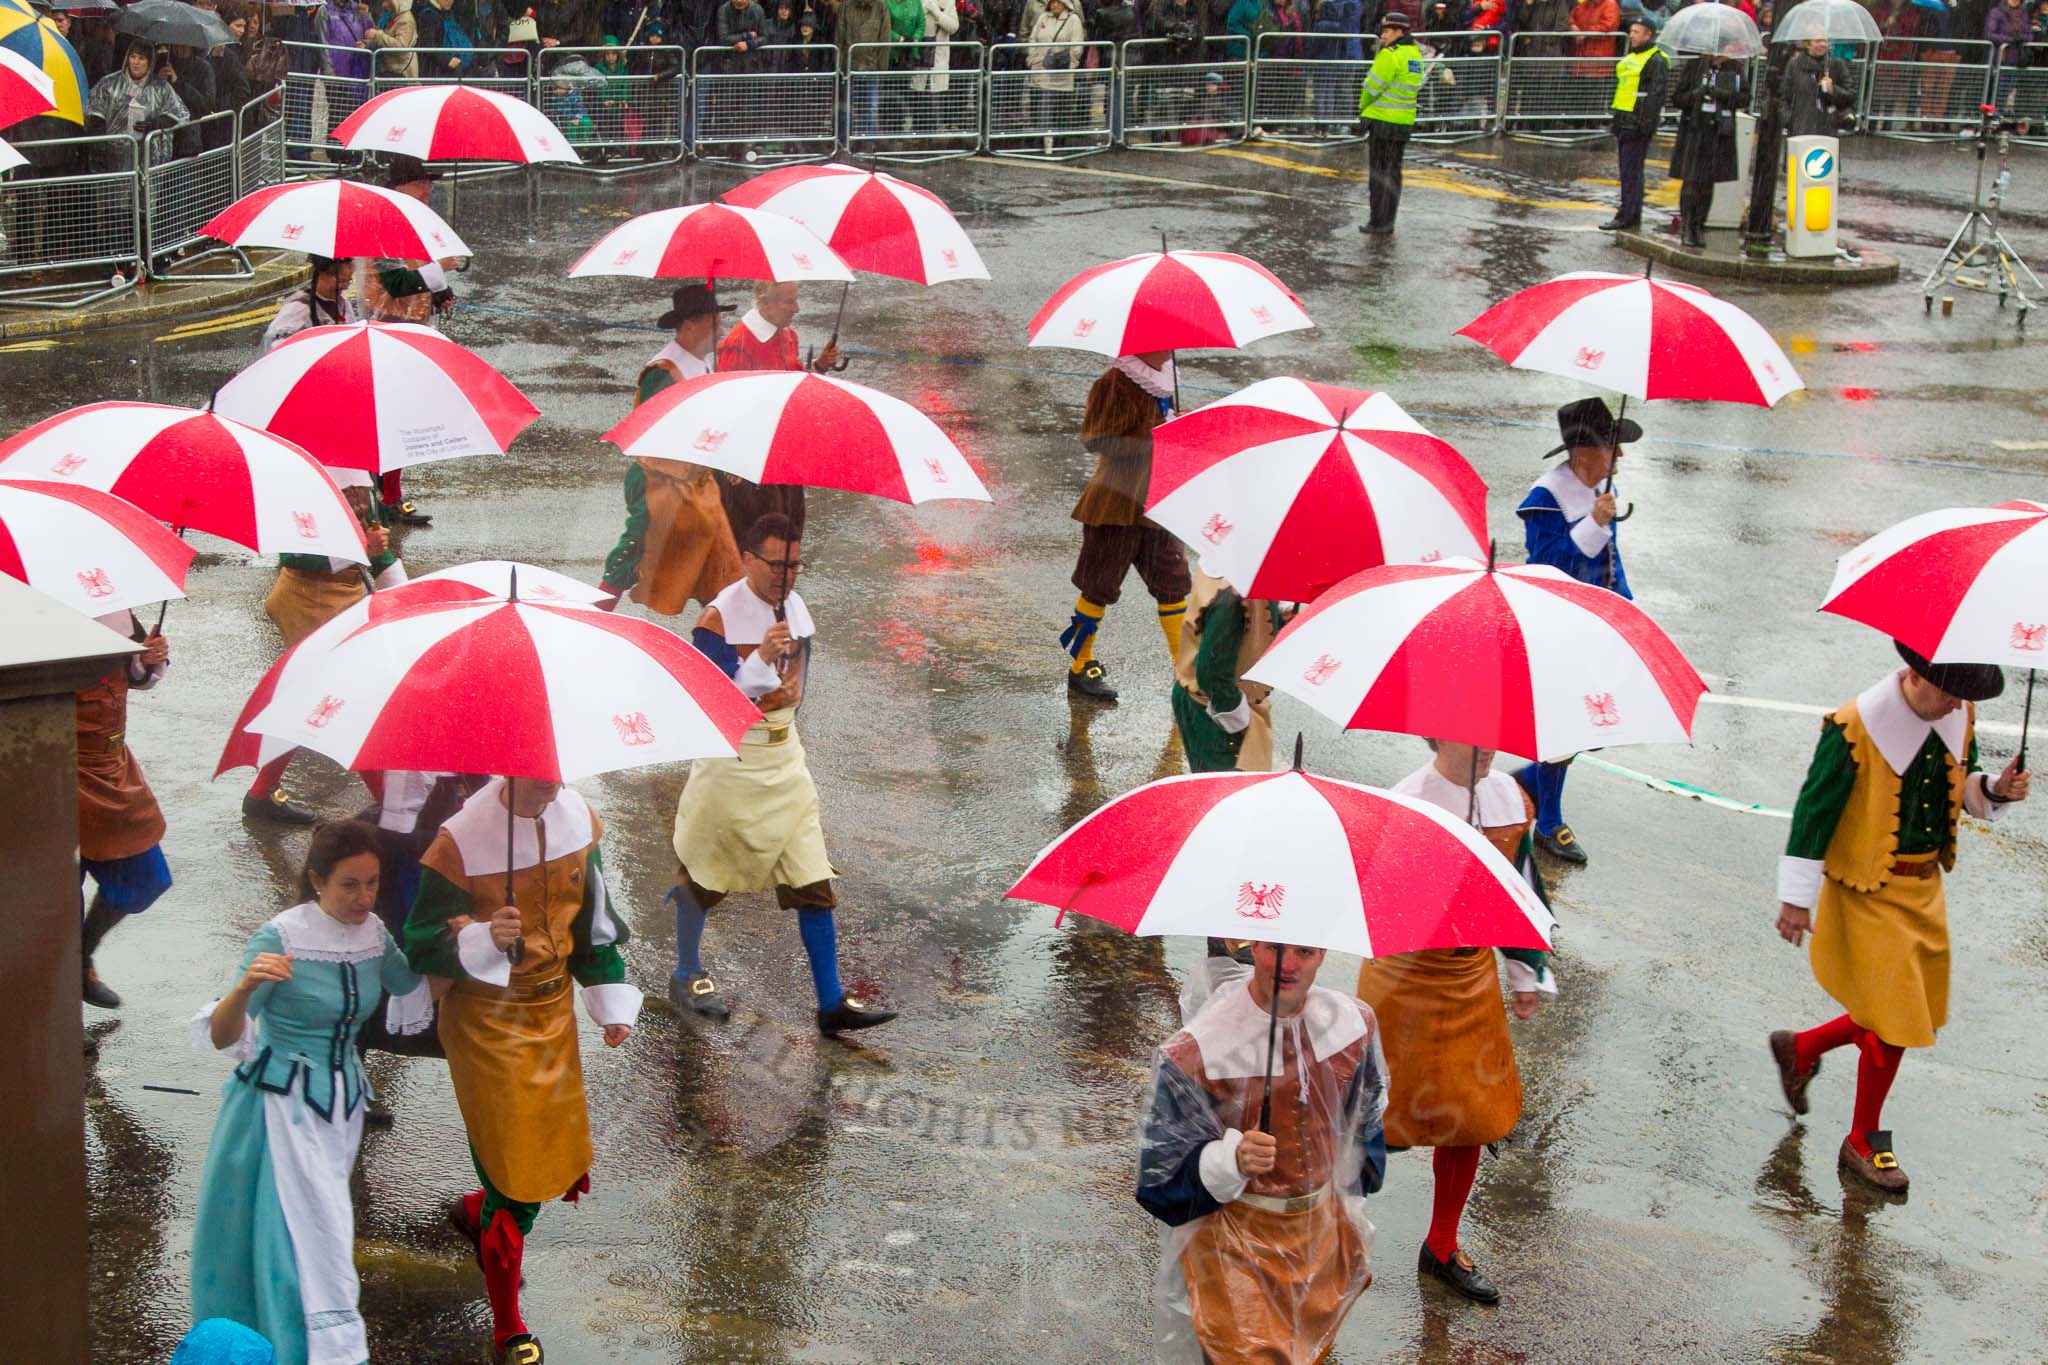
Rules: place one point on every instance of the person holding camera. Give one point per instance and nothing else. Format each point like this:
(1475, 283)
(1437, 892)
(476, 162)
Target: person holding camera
(1710, 90)
(1816, 93)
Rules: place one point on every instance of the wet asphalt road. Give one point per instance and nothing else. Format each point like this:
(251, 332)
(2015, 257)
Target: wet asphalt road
(958, 1188)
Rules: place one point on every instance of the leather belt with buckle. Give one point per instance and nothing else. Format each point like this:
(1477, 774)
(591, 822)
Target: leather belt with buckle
(774, 734)
(1299, 1203)
(1924, 867)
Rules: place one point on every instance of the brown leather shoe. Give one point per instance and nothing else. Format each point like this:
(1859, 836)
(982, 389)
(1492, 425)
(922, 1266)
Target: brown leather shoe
(1785, 1050)
(1881, 1168)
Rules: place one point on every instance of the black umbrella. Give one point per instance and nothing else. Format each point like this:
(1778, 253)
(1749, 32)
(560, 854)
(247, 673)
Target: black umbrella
(174, 23)
(85, 6)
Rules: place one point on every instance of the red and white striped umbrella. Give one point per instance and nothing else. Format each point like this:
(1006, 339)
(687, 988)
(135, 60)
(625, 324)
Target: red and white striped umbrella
(337, 218)
(453, 123)
(378, 396)
(875, 222)
(463, 583)
(1642, 337)
(89, 550)
(26, 90)
(793, 427)
(1288, 487)
(1288, 857)
(1962, 585)
(714, 242)
(1525, 660)
(1168, 301)
(513, 686)
(194, 469)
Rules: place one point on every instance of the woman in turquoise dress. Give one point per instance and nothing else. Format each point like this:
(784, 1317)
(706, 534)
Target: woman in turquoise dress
(274, 1245)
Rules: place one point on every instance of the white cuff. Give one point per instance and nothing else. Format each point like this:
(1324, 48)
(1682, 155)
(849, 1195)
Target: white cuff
(1523, 977)
(757, 677)
(480, 957)
(405, 795)
(393, 575)
(1977, 798)
(1220, 1176)
(1590, 536)
(433, 276)
(200, 1029)
(1236, 718)
(1799, 881)
(614, 1003)
(412, 1012)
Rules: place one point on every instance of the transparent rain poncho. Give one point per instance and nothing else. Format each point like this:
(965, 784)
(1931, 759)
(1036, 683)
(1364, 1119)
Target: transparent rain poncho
(1262, 1268)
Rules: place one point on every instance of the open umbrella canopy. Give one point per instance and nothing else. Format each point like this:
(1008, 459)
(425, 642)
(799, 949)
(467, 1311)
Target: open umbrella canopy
(90, 550)
(713, 242)
(26, 90)
(337, 218)
(1712, 30)
(1838, 21)
(1168, 301)
(1962, 585)
(875, 222)
(1288, 857)
(1289, 486)
(453, 123)
(36, 39)
(194, 469)
(173, 22)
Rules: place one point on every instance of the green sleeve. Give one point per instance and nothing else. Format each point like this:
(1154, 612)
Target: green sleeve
(399, 281)
(1829, 780)
(622, 566)
(594, 963)
(653, 380)
(1535, 959)
(1222, 629)
(1970, 763)
(429, 943)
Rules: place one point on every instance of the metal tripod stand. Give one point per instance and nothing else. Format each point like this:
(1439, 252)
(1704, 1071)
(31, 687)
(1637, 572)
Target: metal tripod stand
(1978, 256)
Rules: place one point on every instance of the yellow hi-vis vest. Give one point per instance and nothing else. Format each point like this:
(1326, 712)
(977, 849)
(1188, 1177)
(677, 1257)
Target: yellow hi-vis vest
(1628, 77)
(1393, 84)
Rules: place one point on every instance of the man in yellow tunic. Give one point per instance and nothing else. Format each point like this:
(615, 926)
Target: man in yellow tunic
(1873, 830)
(507, 1023)
(751, 822)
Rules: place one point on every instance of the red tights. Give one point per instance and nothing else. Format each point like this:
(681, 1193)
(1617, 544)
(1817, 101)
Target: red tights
(1454, 1168)
(1876, 1069)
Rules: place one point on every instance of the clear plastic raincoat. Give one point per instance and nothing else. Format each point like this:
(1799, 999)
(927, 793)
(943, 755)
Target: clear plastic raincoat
(1262, 1269)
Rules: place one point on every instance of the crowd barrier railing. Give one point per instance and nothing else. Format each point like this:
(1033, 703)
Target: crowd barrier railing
(1935, 89)
(617, 120)
(914, 101)
(1183, 96)
(1309, 98)
(1560, 86)
(1050, 101)
(88, 217)
(323, 87)
(2021, 92)
(1460, 97)
(181, 194)
(773, 106)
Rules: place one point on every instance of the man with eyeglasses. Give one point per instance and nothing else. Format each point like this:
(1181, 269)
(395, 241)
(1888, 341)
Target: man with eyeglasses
(752, 822)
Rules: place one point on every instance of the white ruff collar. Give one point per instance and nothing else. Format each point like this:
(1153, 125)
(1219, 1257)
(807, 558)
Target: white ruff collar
(478, 830)
(687, 365)
(308, 931)
(1574, 499)
(1158, 383)
(1500, 796)
(1899, 733)
(764, 331)
(1231, 1029)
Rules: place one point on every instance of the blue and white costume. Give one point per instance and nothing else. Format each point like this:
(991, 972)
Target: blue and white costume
(1559, 530)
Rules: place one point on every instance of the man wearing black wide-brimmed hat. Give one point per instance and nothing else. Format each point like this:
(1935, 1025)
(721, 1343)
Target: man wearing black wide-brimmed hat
(1872, 832)
(1569, 523)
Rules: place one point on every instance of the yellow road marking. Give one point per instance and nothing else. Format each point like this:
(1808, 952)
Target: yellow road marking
(43, 344)
(252, 317)
(1428, 177)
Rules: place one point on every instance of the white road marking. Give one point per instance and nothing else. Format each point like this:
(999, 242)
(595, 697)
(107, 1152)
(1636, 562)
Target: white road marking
(1800, 708)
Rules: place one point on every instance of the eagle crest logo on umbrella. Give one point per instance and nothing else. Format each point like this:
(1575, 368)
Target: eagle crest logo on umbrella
(1255, 901)
(802, 261)
(68, 466)
(307, 525)
(935, 469)
(396, 134)
(1216, 529)
(96, 583)
(1083, 327)
(624, 256)
(950, 257)
(323, 711)
(634, 729)
(1261, 313)
(1600, 709)
(1319, 672)
(293, 231)
(2032, 637)
(1589, 358)
(708, 441)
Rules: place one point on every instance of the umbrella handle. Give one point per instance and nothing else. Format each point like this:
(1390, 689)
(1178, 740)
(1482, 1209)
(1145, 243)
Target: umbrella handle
(1625, 513)
(2026, 720)
(1272, 1037)
(516, 952)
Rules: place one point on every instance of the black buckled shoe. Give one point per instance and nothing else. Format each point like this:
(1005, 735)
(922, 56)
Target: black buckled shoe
(1459, 1273)
(850, 1015)
(278, 808)
(406, 513)
(1881, 1168)
(1091, 680)
(1785, 1052)
(697, 993)
(1562, 845)
(520, 1349)
(97, 992)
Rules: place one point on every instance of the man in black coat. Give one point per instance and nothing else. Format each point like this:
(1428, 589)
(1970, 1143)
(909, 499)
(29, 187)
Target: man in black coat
(1640, 80)
(1817, 90)
(1710, 90)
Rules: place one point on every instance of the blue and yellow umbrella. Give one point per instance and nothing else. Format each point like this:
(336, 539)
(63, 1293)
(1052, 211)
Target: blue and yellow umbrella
(37, 39)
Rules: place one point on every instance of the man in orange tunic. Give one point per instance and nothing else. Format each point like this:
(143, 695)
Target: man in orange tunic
(765, 339)
(1268, 1245)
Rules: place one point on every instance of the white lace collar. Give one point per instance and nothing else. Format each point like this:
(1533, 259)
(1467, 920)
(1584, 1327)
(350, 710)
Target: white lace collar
(1158, 383)
(1899, 733)
(1231, 1029)
(309, 932)
(764, 331)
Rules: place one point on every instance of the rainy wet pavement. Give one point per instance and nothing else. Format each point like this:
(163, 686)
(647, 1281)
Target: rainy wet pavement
(958, 1187)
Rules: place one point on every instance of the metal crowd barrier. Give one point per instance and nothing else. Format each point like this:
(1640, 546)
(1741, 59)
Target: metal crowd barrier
(1177, 100)
(1032, 114)
(914, 109)
(1461, 86)
(773, 106)
(87, 214)
(1310, 100)
(180, 194)
(2022, 92)
(1935, 91)
(1554, 96)
(317, 101)
(617, 120)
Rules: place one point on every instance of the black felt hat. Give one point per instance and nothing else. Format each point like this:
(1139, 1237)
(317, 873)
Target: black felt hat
(405, 170)
(1587, 422)
(691, 301)
(1969, 682)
